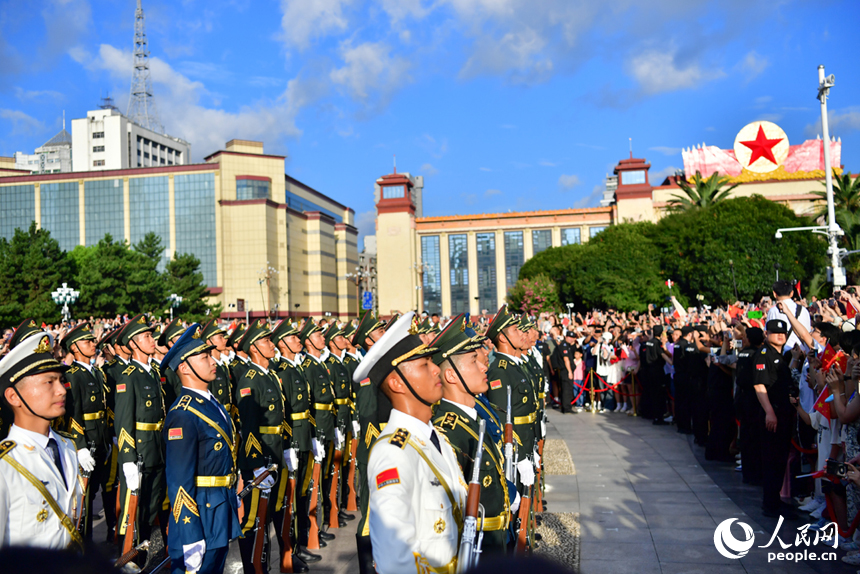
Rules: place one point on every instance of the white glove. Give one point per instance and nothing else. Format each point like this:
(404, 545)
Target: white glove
(515, 505)
(356, 429)
(542, 428)
(291, 458)
(268, 482)
(86, 460)
(192, 554)
(132, 477)
(339, 439)
(527, 472)
(537, 459)
(317, 449)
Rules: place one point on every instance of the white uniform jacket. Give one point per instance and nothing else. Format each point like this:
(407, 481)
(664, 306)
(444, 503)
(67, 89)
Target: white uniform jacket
(26, 519)
(412, 520)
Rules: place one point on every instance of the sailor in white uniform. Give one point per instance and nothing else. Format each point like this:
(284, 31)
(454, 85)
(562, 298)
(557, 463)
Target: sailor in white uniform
(39, 487)
(417, 491)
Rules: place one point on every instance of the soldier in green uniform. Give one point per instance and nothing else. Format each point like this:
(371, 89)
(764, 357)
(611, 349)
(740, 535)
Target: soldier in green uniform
(322, 391)
(25, 329)
(506, 372)
(297, 391)
(239, 361)
(86, 409)
(139, 418)
(369, 331)
(265, 434)
(456, 416)
(169, 379)
(342, 383)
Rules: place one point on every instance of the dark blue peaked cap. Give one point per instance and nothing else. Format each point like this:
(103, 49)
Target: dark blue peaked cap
(189, 344)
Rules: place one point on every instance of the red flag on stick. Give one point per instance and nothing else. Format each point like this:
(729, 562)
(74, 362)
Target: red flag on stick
(821, 405)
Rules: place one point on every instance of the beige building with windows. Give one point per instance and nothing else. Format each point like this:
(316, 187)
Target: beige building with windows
(268, 244)
(466, 263)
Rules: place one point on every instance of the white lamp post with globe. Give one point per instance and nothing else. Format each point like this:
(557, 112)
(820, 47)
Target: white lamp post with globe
(65, 296)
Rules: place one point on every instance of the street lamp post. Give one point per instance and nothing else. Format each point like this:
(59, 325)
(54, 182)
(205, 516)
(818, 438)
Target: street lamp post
(65, 296)
(832, 229)
(174, 300)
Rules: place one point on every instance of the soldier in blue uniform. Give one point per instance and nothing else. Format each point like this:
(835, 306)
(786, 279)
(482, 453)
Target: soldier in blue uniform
(201, 464)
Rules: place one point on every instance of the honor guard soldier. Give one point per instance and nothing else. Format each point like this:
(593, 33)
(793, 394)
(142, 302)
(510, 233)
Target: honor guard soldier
(169, 379)
(239, 364)
(38, 466)
(505, 372)
(89, 426)
(417, 492)
(201, 465)
(300, 461)
(265, 435)
(139, 420)
(456, 416)
(352, 357)
(27, 328)
(369, 331)
(342, 383)
(221, 387)
(327, 437)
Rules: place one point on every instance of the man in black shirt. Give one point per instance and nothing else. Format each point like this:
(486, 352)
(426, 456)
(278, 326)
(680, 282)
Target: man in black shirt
(682, 357)
(772, 381)
(652, 360)
(563, 359)
(749, 409)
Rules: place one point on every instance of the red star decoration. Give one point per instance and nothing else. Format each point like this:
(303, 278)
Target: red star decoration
(761, 147)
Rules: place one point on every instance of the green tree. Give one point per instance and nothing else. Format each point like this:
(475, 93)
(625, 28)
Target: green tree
(704, 192)
(104, 272)
(534, 296)
(183, 277)
(846, 196)
(696, 246)
(32, 265)
(560, 264)
(145, 284)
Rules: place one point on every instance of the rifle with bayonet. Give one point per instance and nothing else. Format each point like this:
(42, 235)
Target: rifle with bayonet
(131, 555)
(287, 527)
(260, 554)
(131, 532)
(269, 470)
(84, 506)
(509, 443)
(351, 503)
(470, 548)
(314, 504)
(334, 491)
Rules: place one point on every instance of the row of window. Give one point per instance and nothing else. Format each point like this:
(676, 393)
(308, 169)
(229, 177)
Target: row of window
(485, 244)
(104, 212)
(98, 135)
(98, 148)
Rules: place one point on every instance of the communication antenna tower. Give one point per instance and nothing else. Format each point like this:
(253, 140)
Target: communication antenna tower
(141, 104)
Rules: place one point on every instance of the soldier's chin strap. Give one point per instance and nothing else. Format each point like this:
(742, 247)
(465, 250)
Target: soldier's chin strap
(34, 413)
(459, 376)
(75, 344)
(411, 390)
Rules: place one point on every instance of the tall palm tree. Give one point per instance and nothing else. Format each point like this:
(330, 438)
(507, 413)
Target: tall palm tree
(704, 192)
(846, 196)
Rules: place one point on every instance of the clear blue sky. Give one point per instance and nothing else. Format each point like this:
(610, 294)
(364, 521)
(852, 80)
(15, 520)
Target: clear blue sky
(500, 104)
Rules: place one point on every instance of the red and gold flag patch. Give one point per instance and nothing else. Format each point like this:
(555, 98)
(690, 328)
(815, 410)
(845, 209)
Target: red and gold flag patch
(497, 384)
(120, 388)
(387, 477)
(174, 434)
(759, 367)
(365, 382)
(245, 392)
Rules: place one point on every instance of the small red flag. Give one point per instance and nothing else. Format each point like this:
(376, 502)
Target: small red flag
(821, 405)
(797, 288)
(830, 356)
(850, 311)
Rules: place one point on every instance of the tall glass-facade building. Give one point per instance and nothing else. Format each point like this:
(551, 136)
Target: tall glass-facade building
(238, 213)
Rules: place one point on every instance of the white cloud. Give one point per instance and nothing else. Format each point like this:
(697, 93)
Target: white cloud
(590, 200)
(547, 163)
(428, 170)
(520, 53)
(435, 148)
(839, 122)
(658, 71)
(22, 124)
(370, 69)
(179, 102)
(491, 192)
(66, 22)
(484, 169)
(666, 150)
(752, 66)
(399, 10)
(469, 198)
(568, 181)
(657, 177)
(305, 20)
(25, 95)
(365, 222)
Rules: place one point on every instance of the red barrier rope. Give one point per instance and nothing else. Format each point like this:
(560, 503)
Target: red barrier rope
(851, 528)
(803, 450)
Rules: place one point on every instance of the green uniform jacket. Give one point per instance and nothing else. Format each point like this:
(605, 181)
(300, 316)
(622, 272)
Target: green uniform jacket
(221, 388)
(462, 433)
(297, 393)
(238, 367)
(536, 375)
(139, 402)
(318, 378)
(263, 414)
(504, 373)
(351, 364)
(342, 389)
(86, 408)
(170, 383)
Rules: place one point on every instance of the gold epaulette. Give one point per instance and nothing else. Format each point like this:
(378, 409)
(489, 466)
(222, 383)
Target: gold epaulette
(503, 364)
(129, 370)
(399, 438)
(183, 403)
(448, 421)
(5, 447)
(73, 370)
(64, 434)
